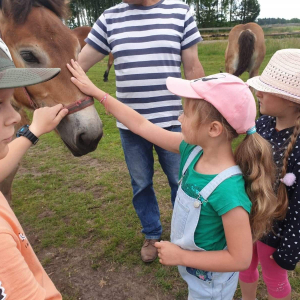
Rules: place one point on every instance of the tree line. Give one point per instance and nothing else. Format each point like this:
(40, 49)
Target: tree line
(208, 13)
(269, 21)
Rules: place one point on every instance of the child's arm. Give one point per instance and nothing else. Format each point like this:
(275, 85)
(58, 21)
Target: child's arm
(17, 279)
(236, 258)
(127, 116)
(44, 120)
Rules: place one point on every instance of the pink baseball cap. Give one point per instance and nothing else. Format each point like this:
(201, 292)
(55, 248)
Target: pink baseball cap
(229, 94)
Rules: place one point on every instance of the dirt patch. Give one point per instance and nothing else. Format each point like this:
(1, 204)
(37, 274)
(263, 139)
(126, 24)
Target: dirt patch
(72, 272)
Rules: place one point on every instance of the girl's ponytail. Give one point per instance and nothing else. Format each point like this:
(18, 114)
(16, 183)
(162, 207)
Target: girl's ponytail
(281, 192)
(254, 156)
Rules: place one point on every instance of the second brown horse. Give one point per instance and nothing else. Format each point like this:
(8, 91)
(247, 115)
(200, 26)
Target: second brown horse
(245, 50)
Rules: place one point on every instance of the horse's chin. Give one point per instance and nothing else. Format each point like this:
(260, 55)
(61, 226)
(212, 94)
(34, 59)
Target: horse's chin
(80, 152)
(81, 131)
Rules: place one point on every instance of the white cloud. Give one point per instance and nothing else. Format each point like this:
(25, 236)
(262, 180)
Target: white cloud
(286, 9)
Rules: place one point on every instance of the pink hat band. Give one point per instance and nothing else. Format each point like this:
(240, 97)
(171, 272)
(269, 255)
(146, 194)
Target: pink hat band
(229, 94)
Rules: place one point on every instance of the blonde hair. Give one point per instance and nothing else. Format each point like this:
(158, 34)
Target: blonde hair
(254, 157)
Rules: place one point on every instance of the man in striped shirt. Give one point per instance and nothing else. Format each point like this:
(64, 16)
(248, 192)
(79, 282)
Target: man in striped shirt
(149, 40)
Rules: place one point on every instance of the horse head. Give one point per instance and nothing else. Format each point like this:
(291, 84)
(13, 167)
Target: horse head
(37, 38)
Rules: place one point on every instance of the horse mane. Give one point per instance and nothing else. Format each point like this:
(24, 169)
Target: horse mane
(19, 9)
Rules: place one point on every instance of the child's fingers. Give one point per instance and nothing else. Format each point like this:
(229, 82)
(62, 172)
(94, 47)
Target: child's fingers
(62, 113)
(157, 244)
(56, 108)
(76, 66)
(77, 82)
(72, 70)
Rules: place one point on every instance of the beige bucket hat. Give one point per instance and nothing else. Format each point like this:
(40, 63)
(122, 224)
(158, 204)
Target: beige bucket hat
(281, 75)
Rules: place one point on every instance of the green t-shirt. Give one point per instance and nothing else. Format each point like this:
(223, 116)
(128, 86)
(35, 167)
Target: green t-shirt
(231, 193)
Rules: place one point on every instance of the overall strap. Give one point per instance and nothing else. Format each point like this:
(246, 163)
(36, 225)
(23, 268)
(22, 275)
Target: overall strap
(192, 155)
(213, 184)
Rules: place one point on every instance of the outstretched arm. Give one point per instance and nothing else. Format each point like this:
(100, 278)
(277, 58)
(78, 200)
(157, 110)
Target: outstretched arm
(44, 120)
(236, 257)
(127, 116)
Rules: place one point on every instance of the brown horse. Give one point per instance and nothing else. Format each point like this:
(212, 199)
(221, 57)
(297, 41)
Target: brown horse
(245, 50)
(81, 33)
(36, 37)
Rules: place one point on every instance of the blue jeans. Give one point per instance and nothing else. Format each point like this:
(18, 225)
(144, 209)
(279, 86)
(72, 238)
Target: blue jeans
(139, 158)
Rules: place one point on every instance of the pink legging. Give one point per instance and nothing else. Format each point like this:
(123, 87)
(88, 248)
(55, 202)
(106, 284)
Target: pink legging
(275, 278)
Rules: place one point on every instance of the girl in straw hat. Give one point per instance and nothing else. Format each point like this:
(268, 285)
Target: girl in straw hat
(278, 92)
(210, 233)
(22, 276)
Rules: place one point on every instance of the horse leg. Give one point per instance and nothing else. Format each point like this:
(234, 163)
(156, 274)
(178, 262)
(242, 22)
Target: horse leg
(109, 64)
(253, 73)
(105, 76)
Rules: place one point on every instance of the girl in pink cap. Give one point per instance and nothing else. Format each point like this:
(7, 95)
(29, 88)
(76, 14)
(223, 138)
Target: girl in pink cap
(278, 92)
(211, 229)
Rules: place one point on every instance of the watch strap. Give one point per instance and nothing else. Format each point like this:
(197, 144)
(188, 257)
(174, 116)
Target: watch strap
(24, 131)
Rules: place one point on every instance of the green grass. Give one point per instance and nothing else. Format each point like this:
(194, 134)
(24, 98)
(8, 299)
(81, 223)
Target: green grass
(85, 202)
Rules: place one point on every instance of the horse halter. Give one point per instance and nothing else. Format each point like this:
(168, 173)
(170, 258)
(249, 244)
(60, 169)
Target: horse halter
(73, 107)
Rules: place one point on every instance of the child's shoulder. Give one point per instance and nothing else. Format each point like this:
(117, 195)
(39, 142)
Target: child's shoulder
(232, 192)
(265, 121)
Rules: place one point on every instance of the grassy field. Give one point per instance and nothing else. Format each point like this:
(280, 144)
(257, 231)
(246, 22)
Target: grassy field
(78, 215)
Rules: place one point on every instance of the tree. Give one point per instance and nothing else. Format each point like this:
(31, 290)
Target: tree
(86, 12)
(248, 11)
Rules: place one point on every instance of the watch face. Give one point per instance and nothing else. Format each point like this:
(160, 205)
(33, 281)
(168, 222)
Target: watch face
(24, 131)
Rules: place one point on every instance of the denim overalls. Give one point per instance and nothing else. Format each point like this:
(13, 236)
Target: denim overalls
(202, 284)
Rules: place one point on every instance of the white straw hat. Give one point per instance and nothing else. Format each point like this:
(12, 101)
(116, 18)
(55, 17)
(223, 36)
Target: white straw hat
(281, 75)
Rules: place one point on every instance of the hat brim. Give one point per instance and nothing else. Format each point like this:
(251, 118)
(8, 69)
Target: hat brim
(20, 77)
(259, 85)
(181, 87)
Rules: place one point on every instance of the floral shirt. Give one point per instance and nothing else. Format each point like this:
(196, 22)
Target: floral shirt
(286, 235)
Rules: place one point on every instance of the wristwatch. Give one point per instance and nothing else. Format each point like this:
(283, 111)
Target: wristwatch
(24, 131)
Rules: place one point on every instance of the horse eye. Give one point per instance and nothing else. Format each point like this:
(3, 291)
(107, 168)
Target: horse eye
(29, 57)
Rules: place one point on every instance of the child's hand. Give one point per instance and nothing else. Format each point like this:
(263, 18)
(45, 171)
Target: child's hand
(169, 254)
(45, 119)
(81, 80)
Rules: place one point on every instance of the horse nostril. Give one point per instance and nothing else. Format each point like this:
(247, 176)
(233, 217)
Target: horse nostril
(85, 141)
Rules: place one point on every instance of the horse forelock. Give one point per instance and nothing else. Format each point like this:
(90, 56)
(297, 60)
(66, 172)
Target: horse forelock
(18, 10)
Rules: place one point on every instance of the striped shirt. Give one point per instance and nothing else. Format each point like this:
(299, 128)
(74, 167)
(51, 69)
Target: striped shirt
(146, 42)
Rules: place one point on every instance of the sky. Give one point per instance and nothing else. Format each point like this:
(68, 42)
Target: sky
(286, 9)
